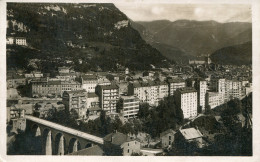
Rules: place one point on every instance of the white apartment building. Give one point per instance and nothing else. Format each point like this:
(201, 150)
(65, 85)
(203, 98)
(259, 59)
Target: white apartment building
(229, 88)
(174, 84)
(214, 99)
(150, 92)
(186, 99)
(201, 87)
(108, 97)
(130, 106)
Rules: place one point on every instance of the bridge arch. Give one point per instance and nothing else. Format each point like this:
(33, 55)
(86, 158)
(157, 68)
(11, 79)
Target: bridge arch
(36, 130)
(47, 141)
(60, 144)
(74, 145)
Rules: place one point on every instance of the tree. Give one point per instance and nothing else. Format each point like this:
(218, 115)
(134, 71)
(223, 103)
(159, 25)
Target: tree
(143, 111)
(119, 105)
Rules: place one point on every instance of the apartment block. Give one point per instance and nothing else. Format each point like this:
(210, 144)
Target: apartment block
(108, 97)
(174, 84)
(130, 106)
(214, 99)
(186, 99)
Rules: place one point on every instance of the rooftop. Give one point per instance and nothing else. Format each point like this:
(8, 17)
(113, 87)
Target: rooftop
(92, 95)
(190, 133)
(167, 132)
(186, 90)
(175, 80)
(117, 138)
(107, 87)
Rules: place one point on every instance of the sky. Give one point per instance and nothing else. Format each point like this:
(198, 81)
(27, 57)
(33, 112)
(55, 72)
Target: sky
(200, 12)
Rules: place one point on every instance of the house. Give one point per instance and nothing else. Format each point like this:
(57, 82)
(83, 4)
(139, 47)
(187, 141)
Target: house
(117, 144)
(167, 138)
(184, 137)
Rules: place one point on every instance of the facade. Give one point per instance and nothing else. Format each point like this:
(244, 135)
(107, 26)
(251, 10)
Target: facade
(15, 80)
(214, 99)
(167, 138)
(151, 92)
(229, 88)
(43, 87)
(130, 106)
(70, 86)
(75, 100)
(116, 144)
(89, 83)
(186, 99)
(92, 100)
(201, 87)
(174, 84)
(20, 41)
(108, 97)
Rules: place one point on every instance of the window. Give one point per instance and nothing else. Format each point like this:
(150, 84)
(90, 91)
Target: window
(169, 142)
(170, 137)
(128, 144)
(127, 150)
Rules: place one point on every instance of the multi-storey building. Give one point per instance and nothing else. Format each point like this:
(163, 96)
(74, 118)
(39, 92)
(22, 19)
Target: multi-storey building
(43, 87)
(174, 84)
(89, 82)
(108, 97)
(186, 99)
(214, 99)
(70, 86)
(151, 92)
(92, 100)
(201, 87)
(130, 106)
(229, 88)
(21, 41)
(76, 100)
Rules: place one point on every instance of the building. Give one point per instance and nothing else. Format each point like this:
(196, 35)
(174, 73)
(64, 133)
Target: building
(92, 100)
(66, 76)
(167, 138)
(21, 41)
(116, 144)
(108, 97)
(43, 87)
(174, 84)
(184, 137)
(13, 81)
(10, 40)
(201, 87)
(75, 100)
(186, 99)
(151, 91)
(70, 86)
(214, 99)
(130, 106)
(89, 82)
(229, 88)
(90, 151)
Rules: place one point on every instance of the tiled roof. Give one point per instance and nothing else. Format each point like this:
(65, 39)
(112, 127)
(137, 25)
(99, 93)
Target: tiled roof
(92, 95)
(167, 132)
(94, 151)
(117, 138)
(186, 90)
(106, 87)
(190, 133)
(89, 77)
(175, 80)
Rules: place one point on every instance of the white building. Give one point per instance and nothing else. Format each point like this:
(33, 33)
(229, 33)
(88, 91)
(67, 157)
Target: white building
(89, 83)
(186, 99)
(10, 40)
(229, 88)
(201, 87)
(214, 99)
(174, 84)
(130, 106)
(20, 41)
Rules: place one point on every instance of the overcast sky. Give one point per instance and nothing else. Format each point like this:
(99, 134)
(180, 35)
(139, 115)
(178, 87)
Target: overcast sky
(200, 12)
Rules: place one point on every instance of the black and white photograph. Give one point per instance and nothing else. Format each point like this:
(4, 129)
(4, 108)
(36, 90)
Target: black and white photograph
(130, 78)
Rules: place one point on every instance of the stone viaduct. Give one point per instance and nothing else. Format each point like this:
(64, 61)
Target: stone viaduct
(56, 139)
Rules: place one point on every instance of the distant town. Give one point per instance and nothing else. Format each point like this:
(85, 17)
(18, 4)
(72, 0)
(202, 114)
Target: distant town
(199, 108)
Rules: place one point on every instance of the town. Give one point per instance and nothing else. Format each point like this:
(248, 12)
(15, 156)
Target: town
(125, 98)
(85, 79)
